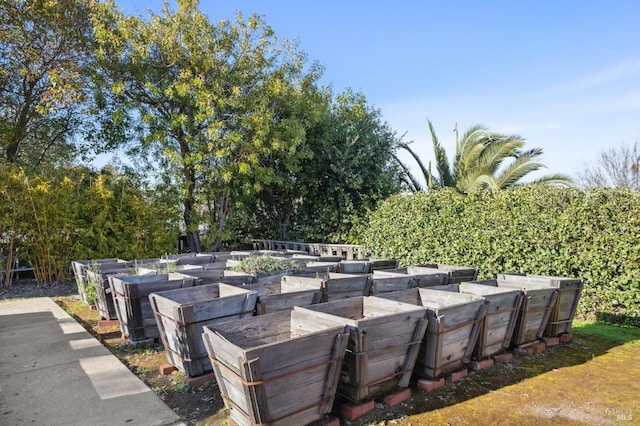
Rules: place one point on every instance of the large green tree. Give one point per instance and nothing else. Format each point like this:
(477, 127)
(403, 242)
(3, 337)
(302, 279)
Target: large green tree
(347, 169)
(45, 54)
(351, 170)
(207, 101)
(483, 160)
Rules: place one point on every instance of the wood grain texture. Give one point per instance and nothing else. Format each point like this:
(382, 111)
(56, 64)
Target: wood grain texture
(273, 372)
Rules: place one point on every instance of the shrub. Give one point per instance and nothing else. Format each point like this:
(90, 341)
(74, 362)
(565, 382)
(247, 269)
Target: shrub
(591, 234)
(71, 213)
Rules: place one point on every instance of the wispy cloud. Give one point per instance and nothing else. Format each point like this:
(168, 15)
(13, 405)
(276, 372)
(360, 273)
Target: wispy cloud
(598, 79)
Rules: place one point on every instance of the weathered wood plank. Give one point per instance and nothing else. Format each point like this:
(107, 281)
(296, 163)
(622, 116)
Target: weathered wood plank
(182, 314)
(381, 332)
(385, 284)
(499, 322)
(340, 286)
(288, 379)
(135, 315)
(354, 267)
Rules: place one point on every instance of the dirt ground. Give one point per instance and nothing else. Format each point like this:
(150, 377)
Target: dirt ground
(589, 380)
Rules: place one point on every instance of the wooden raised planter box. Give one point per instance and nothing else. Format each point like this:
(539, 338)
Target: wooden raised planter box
(321, 267)
(79, 267)
(290, 291)
(104, 296)
(197, 259)
(338, 286)
(354, 267)
(131, 300)
(426, 277)
(383, 347)
(569, 291)
(181, 315)
(454, 325)
(381, 264)
(316, 258)
(154, 262)
(535, 311)
(278, 369)
(457, 274)
(384, 282)
(498, 324)
(205, 276)
(214, 276)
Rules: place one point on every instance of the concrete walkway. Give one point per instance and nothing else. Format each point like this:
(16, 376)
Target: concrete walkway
(53, 372)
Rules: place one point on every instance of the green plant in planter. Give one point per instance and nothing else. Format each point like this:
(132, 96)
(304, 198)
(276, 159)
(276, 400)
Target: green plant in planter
(265, 263)
(90, 291)
(91, 294)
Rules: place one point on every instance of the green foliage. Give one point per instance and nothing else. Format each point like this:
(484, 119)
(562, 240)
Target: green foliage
(91, 294)
(346, 168)
(45, 55)
(67, 214)
(265, 263)
(183, 387)
(531, 229)
(218, 104)
(120, 218)
(483, 160)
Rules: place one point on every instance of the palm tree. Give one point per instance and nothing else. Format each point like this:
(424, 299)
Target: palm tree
(480, 163)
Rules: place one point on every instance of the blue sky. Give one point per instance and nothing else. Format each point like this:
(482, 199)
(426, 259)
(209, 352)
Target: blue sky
(565, 75)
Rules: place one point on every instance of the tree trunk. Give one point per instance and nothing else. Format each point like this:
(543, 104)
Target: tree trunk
(223, 212)
(189, 216)
(20, 128)
(193, 241)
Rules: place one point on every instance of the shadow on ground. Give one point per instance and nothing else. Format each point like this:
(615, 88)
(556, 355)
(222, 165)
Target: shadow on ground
(586, 346)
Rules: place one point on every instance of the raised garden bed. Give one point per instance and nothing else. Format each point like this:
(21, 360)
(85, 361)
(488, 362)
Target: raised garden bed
(498, 324)
(569, 291)
(535, 311)
(278, 369)
(454, 326)
(131, 297)
(181, 315)
(287, 292)
(384, 282)
(383, 347)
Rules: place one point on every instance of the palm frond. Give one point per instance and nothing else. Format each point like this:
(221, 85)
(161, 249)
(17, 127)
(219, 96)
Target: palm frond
(554, 179)
(445, 178)
(423, 169)
(482, 182)
(497, 151)
(523, 164)
(407, 177)
(469, 150)
(517, 170)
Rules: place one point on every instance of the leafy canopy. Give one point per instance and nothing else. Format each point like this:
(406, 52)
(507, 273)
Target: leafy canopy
(46, 53)
(209, 102)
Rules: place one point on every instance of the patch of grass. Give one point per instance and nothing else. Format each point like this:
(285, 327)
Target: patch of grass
(616, 333)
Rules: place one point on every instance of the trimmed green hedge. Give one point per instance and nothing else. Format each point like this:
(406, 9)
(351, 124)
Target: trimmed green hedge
(594, 235)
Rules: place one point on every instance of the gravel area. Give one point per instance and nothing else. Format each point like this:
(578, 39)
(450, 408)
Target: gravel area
(27, 288)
